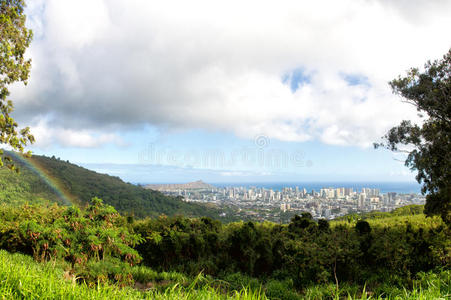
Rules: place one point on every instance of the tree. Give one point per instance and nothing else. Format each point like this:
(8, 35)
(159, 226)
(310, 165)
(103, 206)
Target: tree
(430, 91)
(14, 40)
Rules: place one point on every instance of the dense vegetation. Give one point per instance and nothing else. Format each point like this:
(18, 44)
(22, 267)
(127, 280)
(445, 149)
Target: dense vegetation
(304, 252)
(83, 184)
(22, 278)
(96, 246)
(408, 210)
(19, 188)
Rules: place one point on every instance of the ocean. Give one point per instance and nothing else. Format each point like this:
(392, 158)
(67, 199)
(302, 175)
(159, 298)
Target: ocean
(384, 187)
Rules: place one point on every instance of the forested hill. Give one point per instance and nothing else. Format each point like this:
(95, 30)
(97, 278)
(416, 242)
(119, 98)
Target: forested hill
(37, 176)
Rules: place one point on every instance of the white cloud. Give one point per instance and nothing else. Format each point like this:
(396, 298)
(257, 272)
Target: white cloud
(47, 135)
(219, 65)
(243, 174)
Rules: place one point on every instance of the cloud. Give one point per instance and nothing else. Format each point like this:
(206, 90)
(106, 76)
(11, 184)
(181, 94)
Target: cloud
(243, 174)
(46, 136)
(295, 71)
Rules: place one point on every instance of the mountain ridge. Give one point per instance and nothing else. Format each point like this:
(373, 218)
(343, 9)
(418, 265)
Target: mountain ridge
(81, 185)
(199, 184)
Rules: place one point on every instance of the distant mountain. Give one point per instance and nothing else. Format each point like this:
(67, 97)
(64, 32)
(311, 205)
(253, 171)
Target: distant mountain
(196, 185)
(49, 178)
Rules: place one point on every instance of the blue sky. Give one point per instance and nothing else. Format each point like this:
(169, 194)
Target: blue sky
(225, 91)
(221, 157)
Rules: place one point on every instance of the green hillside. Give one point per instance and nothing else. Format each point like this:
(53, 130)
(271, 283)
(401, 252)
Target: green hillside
(39, 173)
(408, 210)
(26, 186)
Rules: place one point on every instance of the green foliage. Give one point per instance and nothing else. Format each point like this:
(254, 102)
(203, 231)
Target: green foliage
(14, 40)
(303, 251)
(169, 240)
(323, 225)
(96, 246)
(83, 185)
(237, 281)
(95, 241)
(276, 289)
(431, 285)
(408, 210)
(430, 92)
(145, 275)
(363, 227)
(23, 187)
(22, 278)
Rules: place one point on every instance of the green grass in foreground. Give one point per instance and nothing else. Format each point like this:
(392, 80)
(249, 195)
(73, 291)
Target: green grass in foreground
(23, 278)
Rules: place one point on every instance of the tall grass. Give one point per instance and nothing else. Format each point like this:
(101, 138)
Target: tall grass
(23, 278)
(430, 285)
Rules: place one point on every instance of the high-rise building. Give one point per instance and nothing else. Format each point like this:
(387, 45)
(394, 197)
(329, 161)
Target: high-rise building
(361, 200)
(327, 193)
(271, 195)
(391, 197)
(348, 191)
(340, 193)
(375, 192)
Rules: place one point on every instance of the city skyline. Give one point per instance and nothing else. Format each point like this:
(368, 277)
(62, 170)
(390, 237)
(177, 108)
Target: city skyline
(267, 204)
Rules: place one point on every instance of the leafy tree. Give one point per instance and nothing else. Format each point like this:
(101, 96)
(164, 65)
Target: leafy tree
(323, 225)
(14, 40)
(430, 92)
(362, 227)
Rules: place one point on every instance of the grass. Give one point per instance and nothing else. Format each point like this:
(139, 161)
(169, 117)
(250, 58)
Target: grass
(23, 278)
(435, 286)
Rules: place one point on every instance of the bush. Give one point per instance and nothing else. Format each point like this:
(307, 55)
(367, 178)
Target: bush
(276, 289)
(237, 281)
(95, 241)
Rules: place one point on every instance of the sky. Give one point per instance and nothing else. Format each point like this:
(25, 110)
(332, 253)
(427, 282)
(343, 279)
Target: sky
(225, 91)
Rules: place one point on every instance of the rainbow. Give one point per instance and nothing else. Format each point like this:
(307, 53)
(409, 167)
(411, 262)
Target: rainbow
(56, 186)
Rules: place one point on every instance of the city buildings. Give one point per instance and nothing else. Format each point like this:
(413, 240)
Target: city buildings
(269, 204)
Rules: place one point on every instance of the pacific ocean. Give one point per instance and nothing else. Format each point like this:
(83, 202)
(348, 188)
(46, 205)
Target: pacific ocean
(384, 187)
